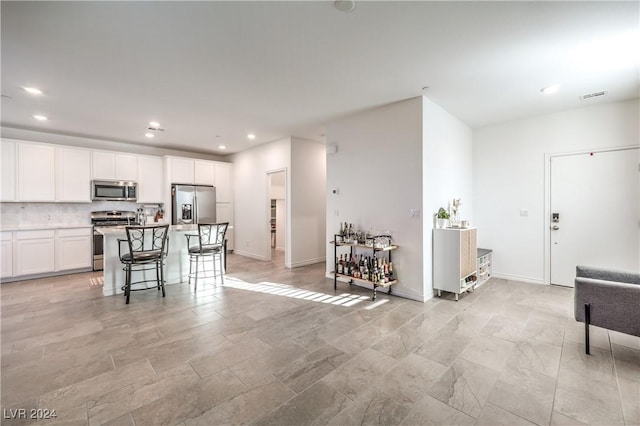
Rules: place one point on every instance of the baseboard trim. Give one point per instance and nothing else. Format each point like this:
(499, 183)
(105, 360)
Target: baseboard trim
(307, 262)
(394, 292)
(250, 255)
(528, 280)
(43, 275)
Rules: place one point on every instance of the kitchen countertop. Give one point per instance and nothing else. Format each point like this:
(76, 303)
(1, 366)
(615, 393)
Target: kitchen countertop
(121, 230)
(45, 226)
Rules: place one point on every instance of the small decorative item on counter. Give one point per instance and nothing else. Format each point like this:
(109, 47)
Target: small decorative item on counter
(454, 212)
(442, 217)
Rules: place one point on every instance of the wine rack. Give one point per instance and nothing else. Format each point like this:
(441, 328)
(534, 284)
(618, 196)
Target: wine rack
(368, 244)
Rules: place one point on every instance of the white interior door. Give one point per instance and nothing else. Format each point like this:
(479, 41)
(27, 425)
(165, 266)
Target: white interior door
(597, 198)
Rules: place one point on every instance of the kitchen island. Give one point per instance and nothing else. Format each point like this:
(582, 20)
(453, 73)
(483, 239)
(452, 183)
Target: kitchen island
(176, 264)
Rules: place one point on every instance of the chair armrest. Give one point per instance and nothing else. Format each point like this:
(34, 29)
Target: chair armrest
(614, 305)
(608, 275)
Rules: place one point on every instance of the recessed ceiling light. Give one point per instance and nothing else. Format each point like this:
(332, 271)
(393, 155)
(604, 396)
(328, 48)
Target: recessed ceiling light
(550, 90)
(222, 147)
(149, 135)
(33, 90)
(154, 124)
(40, 117)
(344, 5)
(251, 136)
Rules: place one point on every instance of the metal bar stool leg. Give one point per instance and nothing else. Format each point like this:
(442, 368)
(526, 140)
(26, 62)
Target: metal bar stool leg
(128, 284)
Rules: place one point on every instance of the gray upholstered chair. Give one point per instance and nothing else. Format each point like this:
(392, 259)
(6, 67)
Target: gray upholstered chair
(608, 299)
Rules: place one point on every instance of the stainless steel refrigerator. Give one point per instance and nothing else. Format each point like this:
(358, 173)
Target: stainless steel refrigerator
(193, 204)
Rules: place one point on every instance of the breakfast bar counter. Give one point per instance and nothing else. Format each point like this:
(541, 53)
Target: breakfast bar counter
(176, 264)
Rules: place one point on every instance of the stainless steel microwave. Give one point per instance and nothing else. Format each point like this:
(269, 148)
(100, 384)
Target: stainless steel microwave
(114, 190)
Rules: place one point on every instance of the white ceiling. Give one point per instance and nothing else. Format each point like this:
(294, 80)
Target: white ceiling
(212, 72)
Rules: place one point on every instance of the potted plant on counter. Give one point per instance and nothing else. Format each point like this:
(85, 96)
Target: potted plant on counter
(443, 218)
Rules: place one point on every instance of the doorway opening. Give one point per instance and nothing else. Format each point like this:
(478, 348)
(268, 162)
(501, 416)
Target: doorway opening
(277, 215)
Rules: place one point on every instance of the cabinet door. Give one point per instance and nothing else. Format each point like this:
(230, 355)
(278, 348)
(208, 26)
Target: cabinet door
(73, 175)
(223, 182)
(467, 252)
(36, 172)
(8, 171)
(104, 165)
(126, 167)
(34, 256)
(204, 172)
(73, 253)
(224, 213)
(6, 255)
(182, 170)
(150, 179)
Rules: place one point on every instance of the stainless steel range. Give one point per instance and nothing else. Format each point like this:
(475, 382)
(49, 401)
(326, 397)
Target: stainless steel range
(107, 219)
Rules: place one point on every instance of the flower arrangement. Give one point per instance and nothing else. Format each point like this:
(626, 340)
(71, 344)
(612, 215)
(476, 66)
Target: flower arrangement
(454, 211)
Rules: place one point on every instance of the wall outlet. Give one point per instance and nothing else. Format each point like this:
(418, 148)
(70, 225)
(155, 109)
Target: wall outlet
(524, 213)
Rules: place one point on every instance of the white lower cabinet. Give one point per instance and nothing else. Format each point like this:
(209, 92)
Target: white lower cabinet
(35, 252)
(73, 249)
(6, 254)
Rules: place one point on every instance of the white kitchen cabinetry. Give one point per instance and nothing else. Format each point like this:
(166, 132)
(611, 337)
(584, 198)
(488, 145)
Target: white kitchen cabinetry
(223, 182)
(8, 170)
(127, 167)
(454, 260)
(35, 252)
(114, 166)
(73, 248)
(6, 254)
(204, 172)
(150, 179)
(180, 170)
(224, 213)
(36, 172)
(73, 175)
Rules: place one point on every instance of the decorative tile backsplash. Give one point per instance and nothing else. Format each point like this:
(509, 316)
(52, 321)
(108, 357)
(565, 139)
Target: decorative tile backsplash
(57, 213)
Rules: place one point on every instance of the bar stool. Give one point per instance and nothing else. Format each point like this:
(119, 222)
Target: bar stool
(210, 243)
(147, 251)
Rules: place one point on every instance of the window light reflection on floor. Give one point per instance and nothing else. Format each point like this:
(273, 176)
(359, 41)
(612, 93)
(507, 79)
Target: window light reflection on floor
(287, 290)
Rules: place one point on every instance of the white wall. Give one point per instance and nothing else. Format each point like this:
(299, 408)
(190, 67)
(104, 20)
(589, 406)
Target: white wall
(509, 176)
(378, 172)
(447, 174)
(308, 202)
(251, 197)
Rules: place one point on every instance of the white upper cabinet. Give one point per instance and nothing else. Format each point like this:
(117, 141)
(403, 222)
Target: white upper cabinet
(181, 170)
(150, 179)
(36, 172)
(104, 165)
(114, 166)
(73, 175)
(223, 182)
(127, 167)
(204, 172)
(8, 180)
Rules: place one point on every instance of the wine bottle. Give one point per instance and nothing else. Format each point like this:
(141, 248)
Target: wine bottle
(340, 266)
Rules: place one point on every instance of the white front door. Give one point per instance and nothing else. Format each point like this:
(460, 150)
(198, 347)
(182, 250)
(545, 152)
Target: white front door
(597, 199)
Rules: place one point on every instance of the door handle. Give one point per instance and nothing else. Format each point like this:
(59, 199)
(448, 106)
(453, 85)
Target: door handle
(555, 227)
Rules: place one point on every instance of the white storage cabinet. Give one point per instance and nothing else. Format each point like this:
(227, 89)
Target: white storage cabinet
(73, 175)
(36, 172)
(6, 254)
(73, 248)
(454, 260)
(35, 252)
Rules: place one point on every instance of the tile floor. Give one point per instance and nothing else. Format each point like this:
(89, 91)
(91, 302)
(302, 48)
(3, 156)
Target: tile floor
(278, 346)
